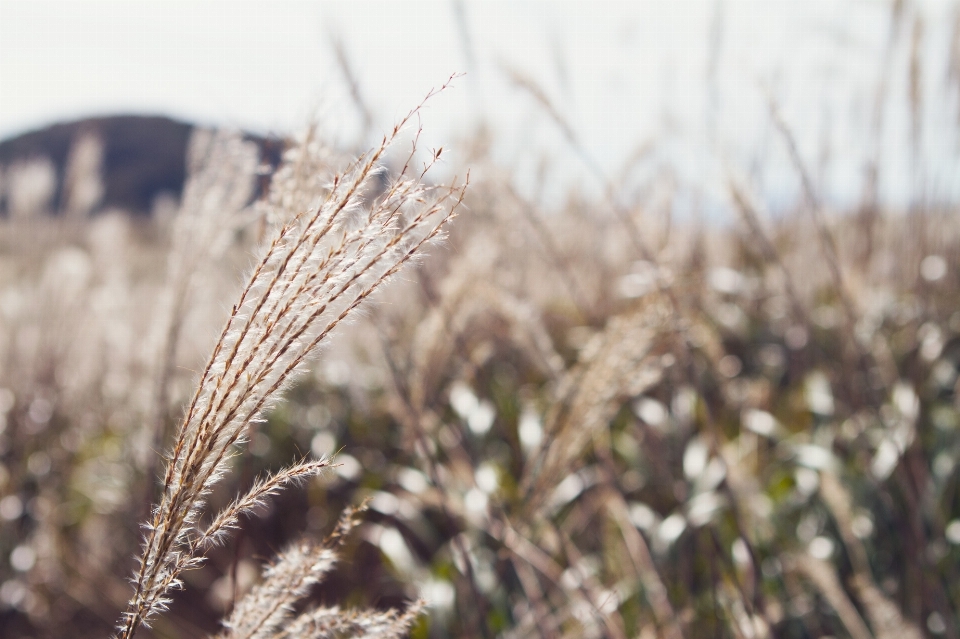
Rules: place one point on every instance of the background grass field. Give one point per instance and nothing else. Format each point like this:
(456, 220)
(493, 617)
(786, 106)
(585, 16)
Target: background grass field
(610, 412)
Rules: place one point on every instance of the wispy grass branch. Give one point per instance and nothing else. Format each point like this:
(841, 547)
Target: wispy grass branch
(321, 264)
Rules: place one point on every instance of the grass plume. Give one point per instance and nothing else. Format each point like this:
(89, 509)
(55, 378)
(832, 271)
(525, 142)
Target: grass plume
(319, 267)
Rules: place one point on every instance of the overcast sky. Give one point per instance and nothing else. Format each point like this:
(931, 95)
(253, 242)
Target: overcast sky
(691, 76)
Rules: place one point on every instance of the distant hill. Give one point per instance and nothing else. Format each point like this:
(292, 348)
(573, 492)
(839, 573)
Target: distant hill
(143, 157)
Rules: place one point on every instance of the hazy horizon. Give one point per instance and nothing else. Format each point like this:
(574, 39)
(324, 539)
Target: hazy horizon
(688, 79)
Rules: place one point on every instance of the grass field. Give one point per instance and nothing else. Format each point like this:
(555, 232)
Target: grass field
(339, 411)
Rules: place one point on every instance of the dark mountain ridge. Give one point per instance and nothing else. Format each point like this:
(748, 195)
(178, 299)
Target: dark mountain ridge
(143, 157)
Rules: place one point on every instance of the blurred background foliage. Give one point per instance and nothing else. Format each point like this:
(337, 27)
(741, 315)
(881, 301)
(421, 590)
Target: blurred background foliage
(593, 419)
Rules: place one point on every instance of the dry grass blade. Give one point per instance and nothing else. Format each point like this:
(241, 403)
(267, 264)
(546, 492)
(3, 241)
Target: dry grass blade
(645, 568)
(826, 581)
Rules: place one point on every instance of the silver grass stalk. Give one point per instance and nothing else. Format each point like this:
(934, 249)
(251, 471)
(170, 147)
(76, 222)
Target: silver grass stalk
(333, 623)
(321, 264)
(268, 608)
